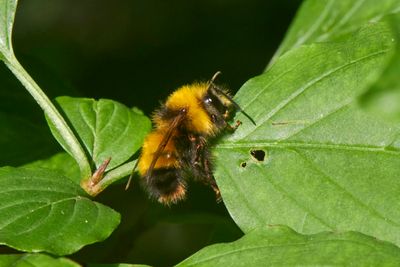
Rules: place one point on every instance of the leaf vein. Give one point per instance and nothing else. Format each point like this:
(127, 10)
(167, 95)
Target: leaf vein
(319, 120)
(315, 25)
(347, 192)
(113, 114)
(37, 223)
(292, 199)
(256, 96)
(70, 219)
(35, 190)
(308, 85)
(92, 130)
(245, 200)
(38, 208)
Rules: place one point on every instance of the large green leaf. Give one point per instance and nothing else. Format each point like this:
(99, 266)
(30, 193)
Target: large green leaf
(326, 20)
(106, 128)
(41, 210)
(34, 260)
(327, 164)
(7, 12)
(280, 246)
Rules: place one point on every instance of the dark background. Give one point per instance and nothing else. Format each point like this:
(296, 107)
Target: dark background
(137, 52)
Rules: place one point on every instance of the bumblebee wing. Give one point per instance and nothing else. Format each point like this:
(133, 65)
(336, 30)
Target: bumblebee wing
(174, 124)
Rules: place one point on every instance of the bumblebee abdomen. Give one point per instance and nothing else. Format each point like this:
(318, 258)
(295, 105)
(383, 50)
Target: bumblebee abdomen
(166, 185)
(167, 159)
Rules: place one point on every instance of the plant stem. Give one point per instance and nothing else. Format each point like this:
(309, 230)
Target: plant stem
(74, 147)
(112, 176)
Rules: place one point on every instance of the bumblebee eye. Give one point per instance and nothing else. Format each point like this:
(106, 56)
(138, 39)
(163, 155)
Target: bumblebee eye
(208, 100)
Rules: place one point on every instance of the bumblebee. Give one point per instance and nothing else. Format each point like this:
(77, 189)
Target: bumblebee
(177, 149)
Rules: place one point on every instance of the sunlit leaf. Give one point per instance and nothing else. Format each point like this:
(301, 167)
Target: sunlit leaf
(327, 165)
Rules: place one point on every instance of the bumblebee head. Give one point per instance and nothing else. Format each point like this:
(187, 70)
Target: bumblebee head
(219, 104)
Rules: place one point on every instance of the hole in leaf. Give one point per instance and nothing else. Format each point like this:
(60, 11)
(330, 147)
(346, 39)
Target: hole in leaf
(259, 155)
(243, 164)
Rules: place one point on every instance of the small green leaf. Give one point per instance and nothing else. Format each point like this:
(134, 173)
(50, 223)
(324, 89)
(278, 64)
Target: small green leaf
(315, 161)
(35, 260)
(281, 246)
(106, 128)
(41, 210)
(7, 13)
(326, 20)
(59, 162)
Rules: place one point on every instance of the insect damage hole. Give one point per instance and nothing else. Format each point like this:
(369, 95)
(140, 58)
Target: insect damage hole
(259, 155)
(243, 164)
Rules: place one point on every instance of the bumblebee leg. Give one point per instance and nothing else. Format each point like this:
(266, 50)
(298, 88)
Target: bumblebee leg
(210, 180)
(197, 146)
(201, 165)
(233, 128)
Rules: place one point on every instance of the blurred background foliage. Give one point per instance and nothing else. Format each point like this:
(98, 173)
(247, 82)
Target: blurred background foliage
(136, 52)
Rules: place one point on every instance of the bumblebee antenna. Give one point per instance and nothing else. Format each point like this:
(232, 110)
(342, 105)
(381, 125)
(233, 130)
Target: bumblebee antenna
(215, 76)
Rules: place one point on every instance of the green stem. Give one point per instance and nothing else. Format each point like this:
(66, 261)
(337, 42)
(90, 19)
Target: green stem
(52, 113)
(115, 175)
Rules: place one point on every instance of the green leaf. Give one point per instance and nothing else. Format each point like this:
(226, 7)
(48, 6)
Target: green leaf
(327, 20)
(41, 210)
(281, 246)
(106, 128)
(327, 165)
(7, 13)
(35, 260)
(384, 96)
(59, 162)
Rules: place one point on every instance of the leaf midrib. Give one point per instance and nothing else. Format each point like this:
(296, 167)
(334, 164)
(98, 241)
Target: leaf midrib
(290, 145)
